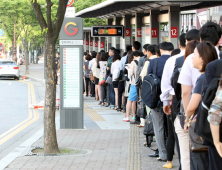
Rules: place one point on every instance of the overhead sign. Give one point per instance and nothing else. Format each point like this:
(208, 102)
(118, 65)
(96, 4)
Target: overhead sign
(127, 33)
(174, 32)
(107, 31)
(154, 33)
(70, 2)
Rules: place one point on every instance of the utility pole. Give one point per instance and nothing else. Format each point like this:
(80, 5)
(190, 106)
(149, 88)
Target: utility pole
(14, 50)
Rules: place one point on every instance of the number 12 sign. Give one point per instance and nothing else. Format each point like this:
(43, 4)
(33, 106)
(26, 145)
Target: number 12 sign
(174, 32)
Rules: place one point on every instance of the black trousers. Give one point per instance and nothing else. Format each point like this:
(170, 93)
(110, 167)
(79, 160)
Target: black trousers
(199, 161)
(215, 161)
(174, 110)
(87, 81)
(170, 143)
(92, 89)
(121, 89)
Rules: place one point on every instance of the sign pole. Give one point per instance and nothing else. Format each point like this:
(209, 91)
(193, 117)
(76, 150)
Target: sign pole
(71, 86)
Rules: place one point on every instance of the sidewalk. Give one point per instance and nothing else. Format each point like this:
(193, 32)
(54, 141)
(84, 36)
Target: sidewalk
(114, 144)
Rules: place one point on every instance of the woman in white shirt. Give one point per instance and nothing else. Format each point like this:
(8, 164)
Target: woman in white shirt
(115, 69)
(96, 74)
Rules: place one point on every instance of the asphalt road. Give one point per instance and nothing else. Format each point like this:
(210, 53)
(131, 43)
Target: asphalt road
(17, 121)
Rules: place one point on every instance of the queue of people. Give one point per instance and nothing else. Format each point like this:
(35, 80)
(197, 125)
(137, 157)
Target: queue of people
(175, 94)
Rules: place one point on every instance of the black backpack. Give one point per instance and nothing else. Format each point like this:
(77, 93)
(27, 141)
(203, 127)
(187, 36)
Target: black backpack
(151, 88)
(175, 76)
(202, 127)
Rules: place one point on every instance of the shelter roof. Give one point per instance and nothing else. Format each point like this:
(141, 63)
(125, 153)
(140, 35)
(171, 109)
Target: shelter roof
(112, 8)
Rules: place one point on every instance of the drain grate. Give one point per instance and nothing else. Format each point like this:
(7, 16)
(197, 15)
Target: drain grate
(72, 152)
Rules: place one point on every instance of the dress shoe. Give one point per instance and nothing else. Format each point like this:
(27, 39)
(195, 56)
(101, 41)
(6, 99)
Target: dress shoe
(155, 154)
(134, 122)
(168, 166)
(162, 160)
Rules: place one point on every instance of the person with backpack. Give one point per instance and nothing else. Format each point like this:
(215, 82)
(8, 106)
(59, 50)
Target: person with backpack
(214, 119)
(187, 78)
(153, 79)
(131, 102)
(204, 53)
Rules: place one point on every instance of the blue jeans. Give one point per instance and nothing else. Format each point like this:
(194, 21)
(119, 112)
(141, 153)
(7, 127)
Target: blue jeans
(112, 94)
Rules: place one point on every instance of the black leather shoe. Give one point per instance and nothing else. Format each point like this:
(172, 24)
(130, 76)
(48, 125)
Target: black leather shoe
(155, 154)
(134, 122)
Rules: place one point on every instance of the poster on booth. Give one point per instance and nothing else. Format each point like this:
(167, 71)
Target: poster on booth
(101, 44)
(174, 32)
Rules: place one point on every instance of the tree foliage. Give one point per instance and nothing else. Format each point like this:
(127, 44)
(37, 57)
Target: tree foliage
(88, 22)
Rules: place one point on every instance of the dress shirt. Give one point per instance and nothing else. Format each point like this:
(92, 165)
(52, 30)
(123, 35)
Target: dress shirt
(91, 63)
(122, 63)
(166, 87)
(189, 74)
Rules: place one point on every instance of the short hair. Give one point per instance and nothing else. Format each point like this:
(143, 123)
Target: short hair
(190, 48)
(129, 48)
(175, 52)
(167, 46)
(102, 51)
(104, 56)
(157, 49)
(136, 53)
(207, 52)
(112, 49)
(145, 46)
(117, 51)
(136, 45)
(124, 54)
(57, 53)
(182, 40)
(85, 53)
(151, 48)
(193, 34)
(93, 53)
(116, 57)
(88, 57)
(210, 32)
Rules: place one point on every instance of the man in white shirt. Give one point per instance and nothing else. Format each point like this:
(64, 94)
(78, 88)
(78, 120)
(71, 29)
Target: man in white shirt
(168, 91)
(209, 32)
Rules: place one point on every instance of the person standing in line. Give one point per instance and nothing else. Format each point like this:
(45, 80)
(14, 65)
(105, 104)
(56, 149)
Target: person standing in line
(157, 113)
(187, 79)
(93, 55)
(102, 79)
(131, 102)
(111, 89)
(96, 74)
(87, 73)
(115, 69)
(166, 95)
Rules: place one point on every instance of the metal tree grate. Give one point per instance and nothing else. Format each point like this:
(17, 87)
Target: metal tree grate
(73, 152)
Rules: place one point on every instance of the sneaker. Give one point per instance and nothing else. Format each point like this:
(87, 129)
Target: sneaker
(112, 106)
(126, 119)
(134, 118)
(107, 105)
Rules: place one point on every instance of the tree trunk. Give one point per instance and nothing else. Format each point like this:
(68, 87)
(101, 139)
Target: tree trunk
(50, 139)
(45, 61)
(26, 57)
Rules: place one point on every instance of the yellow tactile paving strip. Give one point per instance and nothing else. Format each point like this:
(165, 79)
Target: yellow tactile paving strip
(92, 114)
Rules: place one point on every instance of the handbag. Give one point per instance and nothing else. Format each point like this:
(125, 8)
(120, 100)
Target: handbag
(120, 76)
(141, 109)
(196, 141)
(109, 80)
(139, 82)
(148, 128)
(181, 115)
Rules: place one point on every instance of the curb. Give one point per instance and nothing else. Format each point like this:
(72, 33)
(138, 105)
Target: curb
(41, 81)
